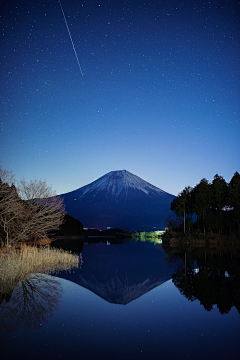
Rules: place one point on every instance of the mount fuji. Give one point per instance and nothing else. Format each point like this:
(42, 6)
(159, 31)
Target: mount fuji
(119, 199)
(122, 273)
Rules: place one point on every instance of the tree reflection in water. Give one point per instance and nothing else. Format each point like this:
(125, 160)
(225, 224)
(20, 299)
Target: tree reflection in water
(214, 281)
(30, 303)
(27, 291)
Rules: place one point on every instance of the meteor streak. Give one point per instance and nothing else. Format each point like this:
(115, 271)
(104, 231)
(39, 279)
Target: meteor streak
(71, 38)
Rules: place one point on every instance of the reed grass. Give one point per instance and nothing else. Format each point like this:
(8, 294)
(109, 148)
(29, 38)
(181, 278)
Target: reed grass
(18, 265)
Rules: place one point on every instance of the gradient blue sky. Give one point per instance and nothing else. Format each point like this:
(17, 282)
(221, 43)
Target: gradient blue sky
(159, 95)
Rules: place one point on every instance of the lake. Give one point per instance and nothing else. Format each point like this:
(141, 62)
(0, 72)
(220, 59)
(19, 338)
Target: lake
(132, 300)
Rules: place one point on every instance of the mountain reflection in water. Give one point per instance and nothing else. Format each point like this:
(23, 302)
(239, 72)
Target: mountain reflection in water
(121, 273)
(82, 313)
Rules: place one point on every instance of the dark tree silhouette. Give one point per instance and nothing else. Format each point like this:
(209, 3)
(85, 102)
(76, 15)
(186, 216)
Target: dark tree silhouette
(216, 204)
(215, 283)
(219, 191)
(234, 198)
(30, 211)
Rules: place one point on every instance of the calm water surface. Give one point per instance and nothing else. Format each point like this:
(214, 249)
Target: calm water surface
(127, 301)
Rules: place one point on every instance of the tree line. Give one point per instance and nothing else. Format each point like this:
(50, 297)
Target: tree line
(31, 210)
(208, 207)
(215, 282)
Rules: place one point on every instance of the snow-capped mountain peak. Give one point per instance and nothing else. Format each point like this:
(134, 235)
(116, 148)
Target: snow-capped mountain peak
(115, 182)
(119, 199)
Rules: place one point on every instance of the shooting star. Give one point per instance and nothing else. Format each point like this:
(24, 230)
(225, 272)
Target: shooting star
(71, 38)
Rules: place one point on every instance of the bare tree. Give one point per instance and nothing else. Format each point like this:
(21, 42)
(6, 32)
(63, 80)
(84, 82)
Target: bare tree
(6, 176)
(30, 301)
(31, 211)
(44, 210)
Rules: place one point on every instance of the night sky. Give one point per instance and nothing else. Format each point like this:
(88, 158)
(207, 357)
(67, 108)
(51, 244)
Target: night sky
(158, 94)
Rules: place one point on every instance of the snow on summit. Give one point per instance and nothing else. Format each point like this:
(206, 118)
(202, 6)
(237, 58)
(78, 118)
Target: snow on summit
(120, 200)
(116, 181)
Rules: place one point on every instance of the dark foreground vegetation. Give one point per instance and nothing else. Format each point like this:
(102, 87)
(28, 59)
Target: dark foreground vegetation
(212, 208)
(31, 212)
(211, 274)
(22, 277)
(198, 239)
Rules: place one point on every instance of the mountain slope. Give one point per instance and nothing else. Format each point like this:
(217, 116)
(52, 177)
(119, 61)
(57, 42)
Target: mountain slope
(122, 273)
(119, 199)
